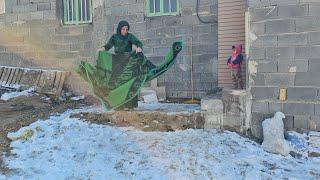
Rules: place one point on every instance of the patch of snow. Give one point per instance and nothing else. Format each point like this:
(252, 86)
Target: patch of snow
(150, 98)
(45, 98)
(298, 143)
(10, 95)
(13, 86)
(68, 148)
(77, 98)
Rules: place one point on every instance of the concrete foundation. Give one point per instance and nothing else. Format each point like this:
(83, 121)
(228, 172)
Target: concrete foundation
(227, 111)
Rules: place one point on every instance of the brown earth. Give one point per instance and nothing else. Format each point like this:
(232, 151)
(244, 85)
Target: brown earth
(145, 120)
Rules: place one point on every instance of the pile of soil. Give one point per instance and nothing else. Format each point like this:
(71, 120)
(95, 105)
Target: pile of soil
(145, 120)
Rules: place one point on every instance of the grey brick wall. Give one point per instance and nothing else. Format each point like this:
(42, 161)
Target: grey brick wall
(158, 34)
(28, 10)
(37, 24)
(286, 53)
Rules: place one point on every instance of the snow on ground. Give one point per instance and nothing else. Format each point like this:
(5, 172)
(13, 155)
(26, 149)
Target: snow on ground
(68, 148)
(10, 95)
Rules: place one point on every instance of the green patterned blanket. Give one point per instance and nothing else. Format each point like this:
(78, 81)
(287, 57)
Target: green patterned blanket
(118, 78)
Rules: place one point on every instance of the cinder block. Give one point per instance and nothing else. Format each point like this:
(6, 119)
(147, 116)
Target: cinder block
(309, 1)
(212, 106)
(307, 79)
(302, 52)
(259, 14)
(299, 109)
(314, 123)
(258, 28)
(293, 66)
(265, 41)
(261, 107)
(263, 93)
(314, 51)
(314, 65)
(281, 79)
(257, 132)
(49, 15)
(11, 3)
(317, 109)
(314, 9)
(19, 9)
(280, 26)
(275, 107)
(36, 15)
(267, 67)
(283, 53)
(165, 32)
(307, 23)
(289, 39)
(43, 6)
(183, 30)
(301, 122)
(256, 124)
(293, 11)
(172, 21)
(119, 10)
(213, 121)
(160, 50)
(282, 2)
(301, 93)
(258, 80)
(257, 53)
(314, 38)
(232, 121)
(288, 122)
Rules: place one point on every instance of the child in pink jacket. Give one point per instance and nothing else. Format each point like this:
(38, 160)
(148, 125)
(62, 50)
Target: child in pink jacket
(234, 64)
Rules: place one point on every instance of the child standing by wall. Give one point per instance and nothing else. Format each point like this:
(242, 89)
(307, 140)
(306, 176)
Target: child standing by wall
(234, 64)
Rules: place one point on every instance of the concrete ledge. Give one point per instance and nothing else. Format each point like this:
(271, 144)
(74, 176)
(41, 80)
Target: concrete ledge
(226, 111)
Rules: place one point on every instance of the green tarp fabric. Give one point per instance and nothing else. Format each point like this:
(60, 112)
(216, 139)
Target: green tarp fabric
(117, 78)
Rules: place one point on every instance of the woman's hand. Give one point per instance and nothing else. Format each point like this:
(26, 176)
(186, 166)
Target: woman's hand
(138, 50)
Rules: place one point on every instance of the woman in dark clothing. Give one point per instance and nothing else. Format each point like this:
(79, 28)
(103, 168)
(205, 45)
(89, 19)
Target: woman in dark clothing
(122, 41)
(234, 64)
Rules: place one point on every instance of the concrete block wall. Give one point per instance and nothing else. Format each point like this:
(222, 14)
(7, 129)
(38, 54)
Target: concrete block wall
(39, 39)
(158, 34)
(26, 10)
(226, 111)
(33, 36)
(284, 53)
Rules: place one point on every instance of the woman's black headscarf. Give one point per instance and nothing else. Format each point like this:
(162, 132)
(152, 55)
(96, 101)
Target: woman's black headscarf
(120, 25)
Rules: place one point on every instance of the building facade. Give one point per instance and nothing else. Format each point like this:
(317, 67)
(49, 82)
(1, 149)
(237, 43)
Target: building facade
(60, 33)
(284, 40)
(282, 46)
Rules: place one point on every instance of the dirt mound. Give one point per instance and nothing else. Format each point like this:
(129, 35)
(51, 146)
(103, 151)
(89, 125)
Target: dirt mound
(146, 121)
